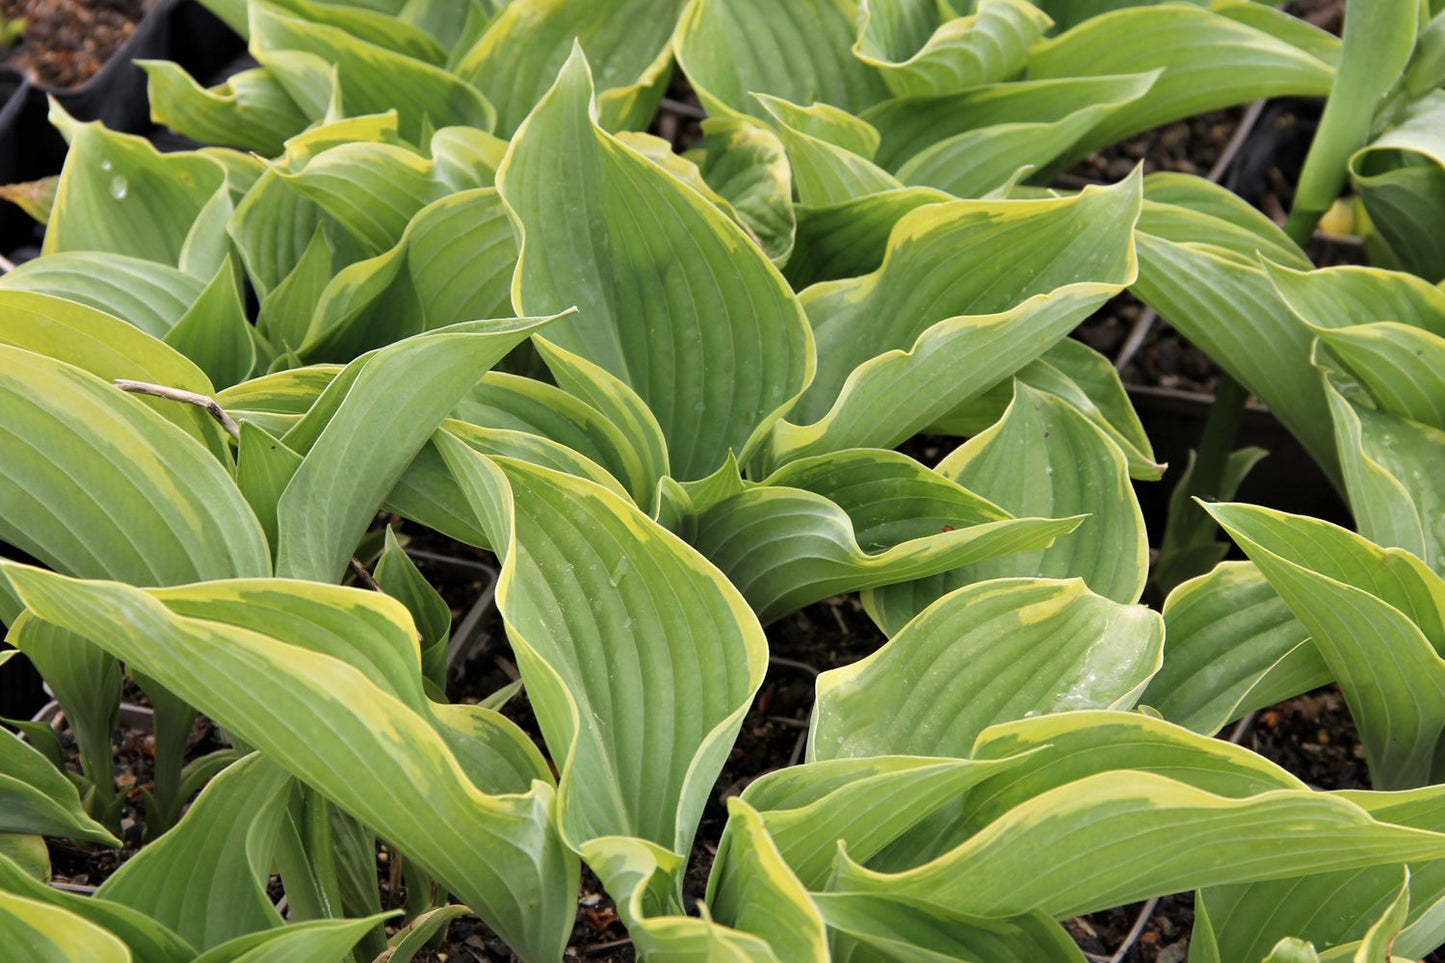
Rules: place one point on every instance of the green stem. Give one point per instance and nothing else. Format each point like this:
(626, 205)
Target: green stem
(320, 849)
(1379, 36)
(1218, 438)
(303, 894)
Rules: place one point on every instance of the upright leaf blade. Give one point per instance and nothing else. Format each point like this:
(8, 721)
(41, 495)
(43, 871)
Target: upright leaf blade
(681, 305)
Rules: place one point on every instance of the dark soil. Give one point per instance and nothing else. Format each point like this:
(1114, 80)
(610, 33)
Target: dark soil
(66, 42)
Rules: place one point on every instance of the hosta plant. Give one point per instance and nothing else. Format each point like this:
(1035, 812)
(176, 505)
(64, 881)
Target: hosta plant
(431, 265)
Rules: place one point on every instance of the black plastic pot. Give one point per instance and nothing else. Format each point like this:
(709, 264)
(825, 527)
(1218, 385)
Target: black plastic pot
(179, 30)
(1287, 480)
(14, 94)
(30, 148)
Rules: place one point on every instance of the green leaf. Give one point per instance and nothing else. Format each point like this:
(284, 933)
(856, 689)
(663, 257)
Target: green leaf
(1335, 909)
(868, 926)
(251, 110)
(825, 171)
(222, 847)
(1396, 363)
(264, 467)
(372, 190)
(398, 576)
(509, 402)
(972, 141)
(1337, 297)
(1375, 617)
(808, 57)
(620, 405)
(639, 874)
(863, 803)
(148, 941)
(413, 938)
(918, 340)
(650, 315)
(753, 890)
(311, 706)
(87, 683)
(374, 79)
(120, 492)
(1231, 646)
(1209, 62)
(28, 852)
(40, 931)
(461, 253)
(746, 164)
(382, 27)
(1199, 251)
(849, 239)
(149, 295)
(214, 332)
(39, 799)
(785, 547)
(516, 60)
(310, 940)
(592, 594)
(286, 310)
(338, 487)
(1161, 836)
(1043, 459)
(1000, 650)
(119, 195)
(919, 52)
(109, 348)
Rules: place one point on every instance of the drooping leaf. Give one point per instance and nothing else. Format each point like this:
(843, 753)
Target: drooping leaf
(919, 52)
(373, 78)
(948, 314)
(1209, 60)
(1400, 178)
(1199, 267)
(868, 927)
(39, 799)
(36, 930)
(148, 941)
(829, 150)
(1131, 815)
(121, 492)
(972, 141)
(109, 349)
(150, 295)
(819, 527)
(1000, 650)
(309, 940)
(746, 164)
(251, 110)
